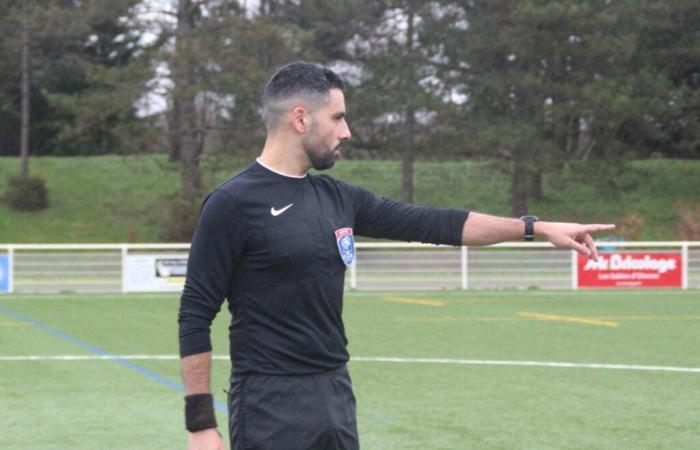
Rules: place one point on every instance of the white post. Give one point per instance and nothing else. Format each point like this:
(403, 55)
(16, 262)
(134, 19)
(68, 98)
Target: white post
(353, 272)
(125, 251)
(684, 263)
(574, 270)
(11, 268)
(465, 278)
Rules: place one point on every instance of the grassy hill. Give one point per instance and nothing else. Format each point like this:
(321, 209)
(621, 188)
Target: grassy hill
(123, 198)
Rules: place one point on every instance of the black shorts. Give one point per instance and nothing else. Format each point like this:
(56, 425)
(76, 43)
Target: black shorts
(310, 412)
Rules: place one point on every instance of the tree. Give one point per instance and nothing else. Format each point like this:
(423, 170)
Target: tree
(395, 57)
(668, 48)
(188, 135)
(26, 25)
(24, 133)
(222, 56)
(549, 82)
(77, 55)
(218, 56)
(26, 192)
(104, 79)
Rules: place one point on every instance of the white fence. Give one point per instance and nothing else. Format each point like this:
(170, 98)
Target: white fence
(44, 268)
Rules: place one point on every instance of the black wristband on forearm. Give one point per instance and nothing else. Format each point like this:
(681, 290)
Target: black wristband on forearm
(199, 412)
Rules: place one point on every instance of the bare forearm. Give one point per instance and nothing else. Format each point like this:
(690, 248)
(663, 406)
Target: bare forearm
(483, 229)
(196, 373)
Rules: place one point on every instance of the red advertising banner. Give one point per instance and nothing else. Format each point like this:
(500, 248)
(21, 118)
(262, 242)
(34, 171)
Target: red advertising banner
(624, 270)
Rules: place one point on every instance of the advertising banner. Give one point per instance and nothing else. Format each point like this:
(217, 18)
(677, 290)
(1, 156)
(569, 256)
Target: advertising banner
(155, 272)
(635, 270)
(4, 273)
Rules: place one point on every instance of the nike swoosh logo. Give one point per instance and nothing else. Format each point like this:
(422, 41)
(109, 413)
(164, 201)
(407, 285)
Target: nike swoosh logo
(277, 212)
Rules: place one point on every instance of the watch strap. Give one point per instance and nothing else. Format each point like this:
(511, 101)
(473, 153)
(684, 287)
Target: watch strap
(529, 221)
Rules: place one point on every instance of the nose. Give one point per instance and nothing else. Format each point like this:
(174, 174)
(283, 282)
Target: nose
(345, 134)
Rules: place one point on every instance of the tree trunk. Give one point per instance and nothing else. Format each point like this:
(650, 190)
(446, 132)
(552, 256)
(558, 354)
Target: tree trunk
(24, 132)
(407, 159)
(186, 141)
(191, 174)
(518, 190)
(174, 133)
(575, 135)
(534, 188)
(176, 117)
(409, 141)
(267, 8)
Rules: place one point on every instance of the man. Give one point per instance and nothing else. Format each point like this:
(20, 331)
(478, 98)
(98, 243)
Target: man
(275, 241)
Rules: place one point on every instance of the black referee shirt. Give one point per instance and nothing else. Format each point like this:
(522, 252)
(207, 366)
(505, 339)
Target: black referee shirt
(274, 246)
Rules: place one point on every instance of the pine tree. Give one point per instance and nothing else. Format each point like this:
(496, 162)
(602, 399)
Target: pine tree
(551, 82)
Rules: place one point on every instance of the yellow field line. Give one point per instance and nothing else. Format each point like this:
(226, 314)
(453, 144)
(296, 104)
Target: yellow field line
(552, 317)
(645, 317)
(459, 319)
(525, 315)
(414, 301)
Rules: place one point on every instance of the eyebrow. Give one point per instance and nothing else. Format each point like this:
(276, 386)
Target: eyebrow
(339, 115)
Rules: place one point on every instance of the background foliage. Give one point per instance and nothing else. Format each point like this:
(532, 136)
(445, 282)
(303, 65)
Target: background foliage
(536, 87)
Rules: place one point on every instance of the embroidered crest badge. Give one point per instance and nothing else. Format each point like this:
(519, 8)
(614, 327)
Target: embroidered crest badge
(346, 245)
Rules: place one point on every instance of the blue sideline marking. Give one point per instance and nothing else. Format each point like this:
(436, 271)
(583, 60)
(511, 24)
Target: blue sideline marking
(91, 348)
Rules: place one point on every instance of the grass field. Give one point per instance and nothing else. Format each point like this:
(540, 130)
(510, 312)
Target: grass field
(124, 198)
(439, 370)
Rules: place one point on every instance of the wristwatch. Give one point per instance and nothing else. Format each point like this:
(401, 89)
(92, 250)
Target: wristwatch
(529, 226)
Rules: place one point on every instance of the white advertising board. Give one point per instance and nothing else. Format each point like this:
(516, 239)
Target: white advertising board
(155, 272)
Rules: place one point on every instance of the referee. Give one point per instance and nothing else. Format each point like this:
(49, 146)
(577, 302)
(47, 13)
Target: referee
(275, 241)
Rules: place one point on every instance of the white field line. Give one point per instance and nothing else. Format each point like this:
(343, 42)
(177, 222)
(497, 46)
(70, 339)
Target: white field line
(380, 359)
(467, 294)
(480, 362)
(93, 357)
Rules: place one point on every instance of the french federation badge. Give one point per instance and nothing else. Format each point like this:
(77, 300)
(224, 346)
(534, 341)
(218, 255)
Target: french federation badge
(346, 245)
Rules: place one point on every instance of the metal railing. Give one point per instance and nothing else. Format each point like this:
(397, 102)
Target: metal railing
(49, 268)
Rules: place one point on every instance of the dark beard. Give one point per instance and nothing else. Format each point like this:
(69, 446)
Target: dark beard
(314, 149)
(319, 160)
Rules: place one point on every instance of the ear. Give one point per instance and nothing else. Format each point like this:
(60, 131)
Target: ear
(299, 119)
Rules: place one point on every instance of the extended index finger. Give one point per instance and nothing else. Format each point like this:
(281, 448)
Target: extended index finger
(592, 228)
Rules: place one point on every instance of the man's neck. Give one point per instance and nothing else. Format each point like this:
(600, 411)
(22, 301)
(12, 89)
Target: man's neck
(262, 163)
(284, 158)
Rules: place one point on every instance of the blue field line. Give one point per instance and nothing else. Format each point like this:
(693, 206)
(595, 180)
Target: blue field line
(92, 349)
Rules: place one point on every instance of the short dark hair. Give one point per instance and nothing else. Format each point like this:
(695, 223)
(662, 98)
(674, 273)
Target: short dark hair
(297, 81)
